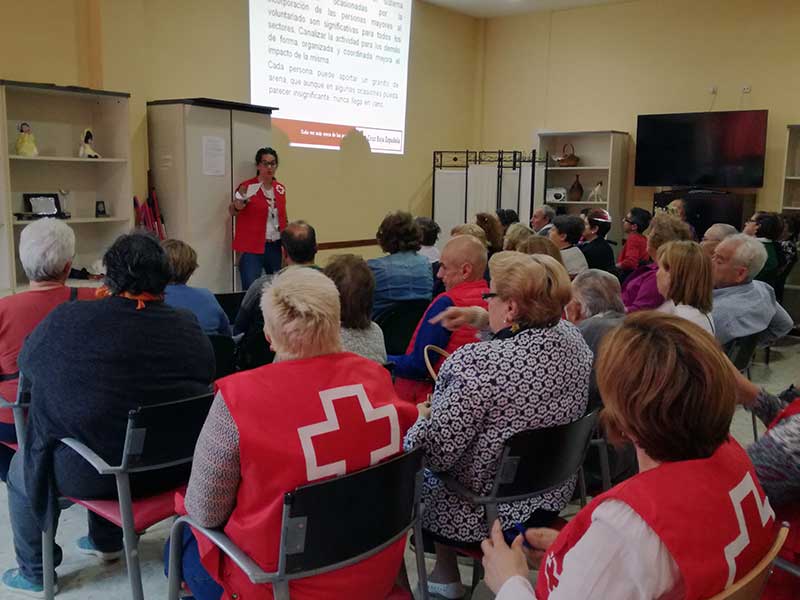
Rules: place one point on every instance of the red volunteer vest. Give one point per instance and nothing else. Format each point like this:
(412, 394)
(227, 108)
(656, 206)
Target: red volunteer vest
(468, 293)
(303, 421)
(251, 223)
(711, 514)
(782, 585)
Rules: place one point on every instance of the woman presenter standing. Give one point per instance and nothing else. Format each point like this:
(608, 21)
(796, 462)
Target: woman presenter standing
(260, 207)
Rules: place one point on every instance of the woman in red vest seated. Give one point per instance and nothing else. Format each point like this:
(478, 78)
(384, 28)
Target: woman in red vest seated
(277, 427)
(259, 206)
(461, 269)
(693, 521)
(534, 373)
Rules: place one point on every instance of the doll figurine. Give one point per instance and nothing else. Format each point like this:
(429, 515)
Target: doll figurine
(26, 143)
(596, 195)
(86, 150)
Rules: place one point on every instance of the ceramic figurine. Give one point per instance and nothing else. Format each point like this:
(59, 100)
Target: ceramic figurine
(86, 150)
(26, 143)
(596, 195)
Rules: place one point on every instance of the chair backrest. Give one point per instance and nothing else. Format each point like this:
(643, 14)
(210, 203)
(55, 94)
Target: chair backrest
(537, 460)
(164, 435)
(254, 350)
(741, 351)
(230, 303)
(224, 354)
(752, 584)
(362, 512)
(398, 323)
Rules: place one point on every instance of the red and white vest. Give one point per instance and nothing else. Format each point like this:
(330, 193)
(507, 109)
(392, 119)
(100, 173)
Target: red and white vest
(468, 293)
(304, 421)
(711, 514)
(251, 223)
(782, 585)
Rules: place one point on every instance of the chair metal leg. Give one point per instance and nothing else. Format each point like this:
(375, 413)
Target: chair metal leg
(782, 563)
(605, 469)
(280, 590)
(48, 561)
(755, 427)
(582, 486)
(766, 355)
(477, 574)
(129, 537)
(175, 559)
(419, 552)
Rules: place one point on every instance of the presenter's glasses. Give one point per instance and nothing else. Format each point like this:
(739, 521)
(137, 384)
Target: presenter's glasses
(269, 163)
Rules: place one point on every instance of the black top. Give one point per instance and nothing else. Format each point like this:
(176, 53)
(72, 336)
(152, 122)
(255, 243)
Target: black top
(216, 103)
(89, 364)
(598, 254)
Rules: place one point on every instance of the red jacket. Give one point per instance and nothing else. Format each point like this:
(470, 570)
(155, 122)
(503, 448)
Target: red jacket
(251, 223)
(633, 252)
(302, 421)
(695, 507)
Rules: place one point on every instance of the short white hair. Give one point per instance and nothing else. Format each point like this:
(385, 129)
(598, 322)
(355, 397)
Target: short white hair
(302, 313)
(45, 248)
(749, 253)
(719, 231)
(597, 292)
(548, 211)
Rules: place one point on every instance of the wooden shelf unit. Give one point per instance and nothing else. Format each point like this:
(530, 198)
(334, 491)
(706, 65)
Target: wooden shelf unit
(603, 157)
(790, 196)
(58, 115)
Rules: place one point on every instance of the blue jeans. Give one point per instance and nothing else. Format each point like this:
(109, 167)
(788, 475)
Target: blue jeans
(250, 265)
(7, 434)
(201, 584)
(106, 536)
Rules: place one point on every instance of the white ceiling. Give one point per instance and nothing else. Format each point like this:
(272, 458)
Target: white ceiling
(499, 8)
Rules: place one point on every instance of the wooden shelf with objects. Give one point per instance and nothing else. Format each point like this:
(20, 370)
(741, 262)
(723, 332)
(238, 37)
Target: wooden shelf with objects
(603, 158)
(58, 117)
(790, 198)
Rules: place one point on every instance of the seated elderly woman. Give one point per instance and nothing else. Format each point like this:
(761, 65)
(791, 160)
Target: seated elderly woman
(182, 264)
(515, 235)
(537, 244)
(650, 537)
(89, 364)
(46, 248)
(534, 373)
(768, 228)
(640, 290)
(356, 286)
(404, 274)
(267, 416)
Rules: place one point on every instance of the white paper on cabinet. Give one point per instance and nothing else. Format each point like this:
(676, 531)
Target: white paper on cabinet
(213, 155)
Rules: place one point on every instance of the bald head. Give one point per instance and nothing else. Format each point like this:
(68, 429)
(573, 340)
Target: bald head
(463, 259)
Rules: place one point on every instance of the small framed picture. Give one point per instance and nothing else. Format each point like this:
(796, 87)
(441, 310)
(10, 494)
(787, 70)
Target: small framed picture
(100, 209)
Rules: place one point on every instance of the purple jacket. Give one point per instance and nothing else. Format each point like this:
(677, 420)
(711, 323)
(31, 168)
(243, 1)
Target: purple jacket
(640, 290)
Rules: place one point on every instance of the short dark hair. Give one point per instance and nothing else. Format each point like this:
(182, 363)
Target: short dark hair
(300, 241)
(136, 263)
(262, 151)
(356, 285)
(603, 227)
(570, 225)
(398, 233)
(641, 218)
(429, 230)
(770, 225)
(507, 216)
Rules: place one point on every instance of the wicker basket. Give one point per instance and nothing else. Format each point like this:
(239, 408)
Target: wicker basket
(567, 160)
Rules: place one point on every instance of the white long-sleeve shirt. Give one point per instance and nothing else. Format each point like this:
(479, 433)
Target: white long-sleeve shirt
(618, 557)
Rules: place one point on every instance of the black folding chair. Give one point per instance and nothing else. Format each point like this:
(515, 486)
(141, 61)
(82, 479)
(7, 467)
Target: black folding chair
(230, 303)
(19, 408)
(224, 354)
(533, 462)
(158, 437)
(330, 525)
(741, 352)
(398, 323)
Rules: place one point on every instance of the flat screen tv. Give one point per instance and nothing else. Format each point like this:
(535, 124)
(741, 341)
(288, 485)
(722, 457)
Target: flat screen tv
(709, 149)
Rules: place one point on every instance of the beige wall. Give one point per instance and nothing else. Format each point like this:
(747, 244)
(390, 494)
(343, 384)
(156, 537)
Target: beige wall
(599, 67)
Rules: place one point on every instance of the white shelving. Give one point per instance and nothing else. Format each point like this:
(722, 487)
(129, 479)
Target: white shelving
(603, 158)
(790, 197)
(58, 116)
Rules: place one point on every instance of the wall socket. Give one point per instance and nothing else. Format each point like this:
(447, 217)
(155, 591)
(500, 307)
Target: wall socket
(713, 90)
(746, 89)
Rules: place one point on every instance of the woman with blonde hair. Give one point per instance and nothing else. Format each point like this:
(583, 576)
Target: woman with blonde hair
(537, 244)
(470, 229)
(515, 235)
(532, 373)
(685, 280)
(693, 521)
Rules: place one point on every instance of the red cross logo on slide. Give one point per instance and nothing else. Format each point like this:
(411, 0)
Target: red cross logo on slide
(348, 424)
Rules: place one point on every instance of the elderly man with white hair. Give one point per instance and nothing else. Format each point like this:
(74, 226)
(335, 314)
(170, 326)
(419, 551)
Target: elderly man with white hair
(46, 248)
(743, 306)
(277, 427)
(714, 235)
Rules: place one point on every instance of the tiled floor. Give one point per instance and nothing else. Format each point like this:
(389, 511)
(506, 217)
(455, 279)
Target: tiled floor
(85, 578)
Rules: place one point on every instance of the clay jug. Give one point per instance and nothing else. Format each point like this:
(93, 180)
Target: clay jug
(576, 190)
